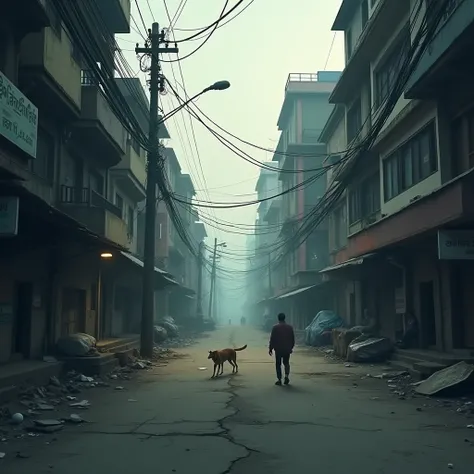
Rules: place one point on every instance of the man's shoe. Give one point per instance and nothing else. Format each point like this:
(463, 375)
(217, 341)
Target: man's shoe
(278, 382)
(287, 381)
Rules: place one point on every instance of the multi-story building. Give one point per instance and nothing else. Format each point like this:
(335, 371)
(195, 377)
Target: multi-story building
(267, 186)
(401, 232)
(61, 208)
(300, 155)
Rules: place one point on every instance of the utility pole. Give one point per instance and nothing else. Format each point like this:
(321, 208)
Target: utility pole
(269, 275)
(213, 278)
(199, 286)
(156, 85)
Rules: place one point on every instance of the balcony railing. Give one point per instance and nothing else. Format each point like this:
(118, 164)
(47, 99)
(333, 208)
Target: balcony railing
(87, 197)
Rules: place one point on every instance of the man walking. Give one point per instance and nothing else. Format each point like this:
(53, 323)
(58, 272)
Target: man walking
(282, 341)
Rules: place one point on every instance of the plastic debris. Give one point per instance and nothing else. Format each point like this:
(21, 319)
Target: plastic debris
(74, 418)
(81, 404)
(17, 418)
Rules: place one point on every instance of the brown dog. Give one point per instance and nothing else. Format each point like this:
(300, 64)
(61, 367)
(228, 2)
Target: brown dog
(219, 357)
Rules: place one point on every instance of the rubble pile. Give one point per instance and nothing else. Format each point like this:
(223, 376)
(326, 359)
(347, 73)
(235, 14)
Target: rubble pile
(46, 410)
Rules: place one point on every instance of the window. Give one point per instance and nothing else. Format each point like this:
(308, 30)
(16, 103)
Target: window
(355, 208)
(349, 44)
(340, 227)
(354, 120)
(43, 164)
(386, 75)
(365, 12)
(364, 199)
(130, 221)
(119, 202)
(411, 163)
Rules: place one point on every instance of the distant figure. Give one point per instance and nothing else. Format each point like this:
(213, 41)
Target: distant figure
(242, 321)
(230, 322)
(282, 341)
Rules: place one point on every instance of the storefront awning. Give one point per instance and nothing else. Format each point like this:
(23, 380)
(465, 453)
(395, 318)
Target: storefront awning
(165, 275)
(295, 292)
(348, 263)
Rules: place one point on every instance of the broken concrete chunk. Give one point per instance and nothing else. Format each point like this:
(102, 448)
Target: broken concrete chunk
(44, 407)
(75, 418)
(81, 404)
(455, 375)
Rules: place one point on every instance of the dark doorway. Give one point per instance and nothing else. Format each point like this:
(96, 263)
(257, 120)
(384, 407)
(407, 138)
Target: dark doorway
(22, 324)
(73, 314)
(427, 313)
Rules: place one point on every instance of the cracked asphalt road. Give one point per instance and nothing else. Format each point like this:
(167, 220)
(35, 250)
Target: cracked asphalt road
(183, 422)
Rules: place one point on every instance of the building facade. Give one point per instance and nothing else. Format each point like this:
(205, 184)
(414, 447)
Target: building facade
(300, 156)
(400, 235)
(71, 180)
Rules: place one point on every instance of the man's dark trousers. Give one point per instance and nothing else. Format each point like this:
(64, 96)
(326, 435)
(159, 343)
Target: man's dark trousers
(285, 359)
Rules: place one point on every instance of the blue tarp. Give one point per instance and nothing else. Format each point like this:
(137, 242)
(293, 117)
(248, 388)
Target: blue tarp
(324, 321)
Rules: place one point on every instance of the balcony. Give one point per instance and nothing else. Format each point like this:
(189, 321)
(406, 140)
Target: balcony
(95, 212)
(99, 129)
(50, 73)
(32, 13)
(130, 173)
(302, 82)
(448, 55)
(116, 14)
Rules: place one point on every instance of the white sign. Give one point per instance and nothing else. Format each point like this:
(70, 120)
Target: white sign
(9, 208)
(456, 244)
(18, 117)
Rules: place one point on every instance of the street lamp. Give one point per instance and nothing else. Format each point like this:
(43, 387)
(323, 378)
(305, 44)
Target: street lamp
(217, 86)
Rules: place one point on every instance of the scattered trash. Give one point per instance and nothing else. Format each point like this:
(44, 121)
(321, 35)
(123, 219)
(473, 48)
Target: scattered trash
(375, 398)
(17, 419)
(450, 466)
(450, 377)
(348, 365)
(471, 427)
(2, 455)
(113, 376)
(81, 404)
(50, 359)
(139, 365)
(202, 368)
(44, 407)
(48, 426)
(75, 418)
(132, 400)
(119, 387)
(71, 398)
(54, 381)
(84, 378)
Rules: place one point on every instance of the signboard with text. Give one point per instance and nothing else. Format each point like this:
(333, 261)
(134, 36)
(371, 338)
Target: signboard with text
(18, 117)
(9, 211)
(456, 244)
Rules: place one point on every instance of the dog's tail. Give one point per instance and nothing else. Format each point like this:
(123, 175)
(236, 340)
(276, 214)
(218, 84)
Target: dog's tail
(241, 348)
